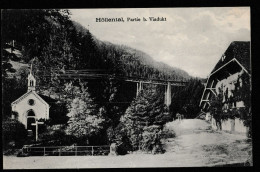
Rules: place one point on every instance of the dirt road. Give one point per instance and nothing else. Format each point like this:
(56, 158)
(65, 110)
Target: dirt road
(196, 143)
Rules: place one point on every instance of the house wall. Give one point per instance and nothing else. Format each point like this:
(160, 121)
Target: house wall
(229, 83)
(40, 109)
(226, 125)
(213, 124)
(239, 126)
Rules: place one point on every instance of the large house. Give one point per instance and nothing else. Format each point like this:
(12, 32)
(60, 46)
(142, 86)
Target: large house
(226, 75)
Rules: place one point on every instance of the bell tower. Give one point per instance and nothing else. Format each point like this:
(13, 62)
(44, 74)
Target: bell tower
(31, 81)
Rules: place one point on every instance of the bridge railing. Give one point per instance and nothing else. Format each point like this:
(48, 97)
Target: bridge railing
(67, 150)
(99, 74)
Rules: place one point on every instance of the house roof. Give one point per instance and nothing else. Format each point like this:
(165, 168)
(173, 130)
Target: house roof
(236, 56)
(240, 50)
(27, 94)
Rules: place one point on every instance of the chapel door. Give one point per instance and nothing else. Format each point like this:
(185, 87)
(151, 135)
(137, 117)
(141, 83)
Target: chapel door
(30, 120)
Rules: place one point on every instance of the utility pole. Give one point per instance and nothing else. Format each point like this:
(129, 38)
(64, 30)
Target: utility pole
(36, 128)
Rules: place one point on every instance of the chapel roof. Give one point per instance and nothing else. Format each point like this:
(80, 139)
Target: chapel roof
(26, 95)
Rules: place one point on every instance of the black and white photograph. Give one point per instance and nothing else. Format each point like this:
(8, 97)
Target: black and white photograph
(126, 87)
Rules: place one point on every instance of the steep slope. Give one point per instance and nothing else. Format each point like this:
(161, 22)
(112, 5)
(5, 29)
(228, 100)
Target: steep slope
(135, 63)
(57, 42)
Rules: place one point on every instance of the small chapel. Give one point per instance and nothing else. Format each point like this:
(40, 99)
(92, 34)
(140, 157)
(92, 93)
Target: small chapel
(30, 107)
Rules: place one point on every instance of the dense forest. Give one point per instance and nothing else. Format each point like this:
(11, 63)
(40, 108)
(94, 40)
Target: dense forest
(52, 42)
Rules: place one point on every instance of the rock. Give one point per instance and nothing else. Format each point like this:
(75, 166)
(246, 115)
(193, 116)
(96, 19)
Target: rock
(113, 149)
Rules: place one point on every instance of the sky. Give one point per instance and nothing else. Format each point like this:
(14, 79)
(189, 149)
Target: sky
(192, 39)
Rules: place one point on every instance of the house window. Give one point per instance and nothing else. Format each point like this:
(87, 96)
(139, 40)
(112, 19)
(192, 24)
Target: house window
(31, 102)
(223, 58)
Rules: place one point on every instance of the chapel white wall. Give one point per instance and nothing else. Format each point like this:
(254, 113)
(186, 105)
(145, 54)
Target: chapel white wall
(40, 109)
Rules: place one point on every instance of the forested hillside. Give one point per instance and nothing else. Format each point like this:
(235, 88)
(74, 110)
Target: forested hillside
(56, 41)
(52, 42)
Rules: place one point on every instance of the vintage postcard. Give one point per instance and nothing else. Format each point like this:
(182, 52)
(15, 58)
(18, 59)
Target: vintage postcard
(126, 87)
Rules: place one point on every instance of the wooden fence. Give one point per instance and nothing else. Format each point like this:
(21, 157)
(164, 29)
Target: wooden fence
(66, 150)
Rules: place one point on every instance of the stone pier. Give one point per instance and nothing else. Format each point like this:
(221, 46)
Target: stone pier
(139, 87)
(168, 95)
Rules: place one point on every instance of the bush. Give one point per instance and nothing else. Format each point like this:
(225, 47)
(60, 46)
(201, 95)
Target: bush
(124, 146)
(14, 134)
(119, 136)
(151, 139)
(11, 152)
(147, 139)
(166, 133)
(54, 136)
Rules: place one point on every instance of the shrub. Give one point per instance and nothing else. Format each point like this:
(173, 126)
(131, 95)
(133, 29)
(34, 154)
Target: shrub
(123, 146)
(151, 139)
(166, 133)
(54, 136)
(119, 136)
(13, 132)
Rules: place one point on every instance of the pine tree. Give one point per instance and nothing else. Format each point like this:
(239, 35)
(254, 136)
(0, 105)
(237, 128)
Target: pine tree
(186, 100)
(145, 110)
